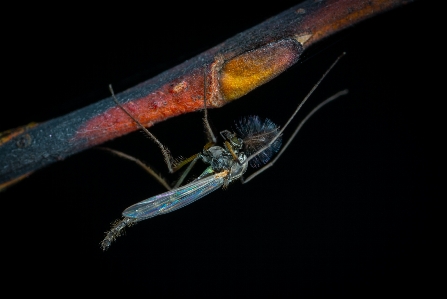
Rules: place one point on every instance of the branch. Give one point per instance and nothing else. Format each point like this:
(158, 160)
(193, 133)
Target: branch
(231, 69)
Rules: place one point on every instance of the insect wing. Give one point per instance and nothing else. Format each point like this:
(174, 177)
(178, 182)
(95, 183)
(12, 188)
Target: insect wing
(174, 199)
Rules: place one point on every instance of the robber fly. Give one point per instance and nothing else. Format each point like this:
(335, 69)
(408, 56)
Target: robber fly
(255, 144)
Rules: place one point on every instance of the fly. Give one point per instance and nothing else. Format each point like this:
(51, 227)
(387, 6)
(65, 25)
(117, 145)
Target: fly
(255, 144)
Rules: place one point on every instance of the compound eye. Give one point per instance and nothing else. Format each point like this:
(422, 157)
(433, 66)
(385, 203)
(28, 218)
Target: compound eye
(236, 142)
(227, 135)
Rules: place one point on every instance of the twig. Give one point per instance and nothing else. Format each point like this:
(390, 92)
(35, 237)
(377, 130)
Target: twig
(233, 68)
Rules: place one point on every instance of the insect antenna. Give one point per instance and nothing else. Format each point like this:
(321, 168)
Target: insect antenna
(279, 134)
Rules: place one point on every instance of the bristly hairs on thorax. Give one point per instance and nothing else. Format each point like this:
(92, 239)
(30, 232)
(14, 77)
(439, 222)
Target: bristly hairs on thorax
(256, 134)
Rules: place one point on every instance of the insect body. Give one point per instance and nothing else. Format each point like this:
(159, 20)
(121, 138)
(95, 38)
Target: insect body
(226, 164)
(255, 145)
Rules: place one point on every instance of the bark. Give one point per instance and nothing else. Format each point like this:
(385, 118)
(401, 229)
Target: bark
(231, 69)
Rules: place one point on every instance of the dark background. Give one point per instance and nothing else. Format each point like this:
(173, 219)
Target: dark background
(348, 209)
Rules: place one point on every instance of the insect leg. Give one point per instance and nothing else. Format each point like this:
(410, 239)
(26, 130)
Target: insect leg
(209, 131)
(192, 161)
(164, 150)
(147, 168)
(187, 170)
(270, 164)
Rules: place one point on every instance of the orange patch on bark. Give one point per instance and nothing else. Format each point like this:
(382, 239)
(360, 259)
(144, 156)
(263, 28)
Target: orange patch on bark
(249, 70)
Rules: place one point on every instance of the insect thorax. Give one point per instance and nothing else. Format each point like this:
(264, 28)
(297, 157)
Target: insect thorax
(220, 159)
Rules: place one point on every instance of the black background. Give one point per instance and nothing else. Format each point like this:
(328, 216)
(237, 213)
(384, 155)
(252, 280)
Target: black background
(348, 209)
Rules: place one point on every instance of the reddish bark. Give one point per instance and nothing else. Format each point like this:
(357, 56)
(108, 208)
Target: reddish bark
(233, 68)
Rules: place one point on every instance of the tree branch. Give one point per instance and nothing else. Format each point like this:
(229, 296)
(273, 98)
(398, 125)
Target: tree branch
(232, 69)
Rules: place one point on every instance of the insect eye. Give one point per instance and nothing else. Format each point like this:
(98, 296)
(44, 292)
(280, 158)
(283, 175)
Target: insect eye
(236, 142)
(227, 135)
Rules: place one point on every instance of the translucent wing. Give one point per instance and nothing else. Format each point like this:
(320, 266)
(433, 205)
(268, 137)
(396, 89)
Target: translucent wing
(175, 199)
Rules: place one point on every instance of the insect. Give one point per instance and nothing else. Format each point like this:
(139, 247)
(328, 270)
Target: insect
(255, 144)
